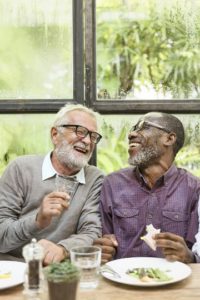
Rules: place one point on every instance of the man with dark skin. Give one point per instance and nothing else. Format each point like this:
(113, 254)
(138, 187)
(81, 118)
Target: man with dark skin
(153, 191)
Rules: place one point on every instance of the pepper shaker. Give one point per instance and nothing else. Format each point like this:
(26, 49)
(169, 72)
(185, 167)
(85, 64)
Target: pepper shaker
(33, 254)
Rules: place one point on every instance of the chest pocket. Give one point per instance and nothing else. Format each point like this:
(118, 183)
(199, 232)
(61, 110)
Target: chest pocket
(127, 221)
(175, 222)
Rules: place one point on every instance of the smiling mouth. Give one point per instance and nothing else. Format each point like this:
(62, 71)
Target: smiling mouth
(80, 149)
(133, 145)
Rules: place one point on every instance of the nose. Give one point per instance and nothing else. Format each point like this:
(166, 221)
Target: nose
(133, 134)
(86, 139)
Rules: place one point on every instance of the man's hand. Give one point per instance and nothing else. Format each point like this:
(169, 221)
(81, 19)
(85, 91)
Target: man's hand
(174, 247)
(108, 245)
(52, 252)
(52, 205)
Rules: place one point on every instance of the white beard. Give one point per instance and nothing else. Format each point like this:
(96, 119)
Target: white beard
(68, 156)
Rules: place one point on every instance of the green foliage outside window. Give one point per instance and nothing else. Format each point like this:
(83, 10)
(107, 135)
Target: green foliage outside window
(22, 135)
(31, 135)
(113, 155)
(152, 45)
(36, 55)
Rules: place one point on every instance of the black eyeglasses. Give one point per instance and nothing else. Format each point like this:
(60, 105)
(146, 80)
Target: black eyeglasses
(82, 132)
(141, 125)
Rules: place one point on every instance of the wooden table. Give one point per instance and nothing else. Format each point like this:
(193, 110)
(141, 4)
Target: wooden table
(187, 289)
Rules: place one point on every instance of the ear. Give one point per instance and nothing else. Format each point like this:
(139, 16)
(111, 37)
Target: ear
(54, 134)
(170, 139)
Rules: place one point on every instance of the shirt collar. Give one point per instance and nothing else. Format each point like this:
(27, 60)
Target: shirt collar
(48, 170)
(170, 173)
(163, 179)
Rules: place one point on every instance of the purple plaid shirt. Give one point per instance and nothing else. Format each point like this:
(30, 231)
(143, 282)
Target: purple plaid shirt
(128, 205)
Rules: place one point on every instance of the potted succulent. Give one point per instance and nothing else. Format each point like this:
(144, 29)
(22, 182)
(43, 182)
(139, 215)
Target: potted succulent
(62, 279)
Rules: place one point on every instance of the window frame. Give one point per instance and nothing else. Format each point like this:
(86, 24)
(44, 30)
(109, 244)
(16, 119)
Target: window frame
(116, 106)
(53, 105)
(84, 78)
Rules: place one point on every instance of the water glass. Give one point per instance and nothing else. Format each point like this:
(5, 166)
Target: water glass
(88, 260)
(66, 184)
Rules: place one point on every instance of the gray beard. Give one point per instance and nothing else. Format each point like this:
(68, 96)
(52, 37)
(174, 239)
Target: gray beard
(145, 157)
(67, 156)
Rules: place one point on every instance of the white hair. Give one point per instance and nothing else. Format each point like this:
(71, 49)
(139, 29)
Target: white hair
(62, 113)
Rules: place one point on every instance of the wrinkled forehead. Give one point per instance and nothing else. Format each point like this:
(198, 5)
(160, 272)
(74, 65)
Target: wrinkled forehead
(155, 117)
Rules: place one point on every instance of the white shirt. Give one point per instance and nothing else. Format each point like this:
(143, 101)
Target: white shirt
(49, 171)
(196, 246)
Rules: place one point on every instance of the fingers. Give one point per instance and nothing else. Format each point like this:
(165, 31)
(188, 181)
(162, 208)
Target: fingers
(106, 240)
(55, 206)
(169, 236)
(168, 240)
(51, 257)
(107, 253)
(174, 247)
(183, 254)
(112, 238)
(48, 258)
(172, 258)
(52, 205)
(61, 195)
(108, 244)
(52, 252)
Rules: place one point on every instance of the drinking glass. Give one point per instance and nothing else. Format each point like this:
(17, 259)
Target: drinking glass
(66, 184)
(88, 260)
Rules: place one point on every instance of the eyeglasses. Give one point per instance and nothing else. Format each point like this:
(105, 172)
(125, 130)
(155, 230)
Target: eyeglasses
(141, 125)
(82, 132)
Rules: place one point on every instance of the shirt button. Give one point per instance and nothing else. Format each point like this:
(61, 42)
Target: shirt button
(149, 216)
(176, 217)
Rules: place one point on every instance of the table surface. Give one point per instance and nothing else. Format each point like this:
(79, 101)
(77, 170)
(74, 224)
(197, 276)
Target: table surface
(108, 290)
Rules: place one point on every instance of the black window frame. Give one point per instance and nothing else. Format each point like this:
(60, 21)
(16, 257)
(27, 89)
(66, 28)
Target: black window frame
(116, 106)
(19, 106)
(84, 78)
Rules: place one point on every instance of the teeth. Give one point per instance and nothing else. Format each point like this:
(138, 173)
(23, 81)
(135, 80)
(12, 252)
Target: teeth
(81, 149)
(134, 144)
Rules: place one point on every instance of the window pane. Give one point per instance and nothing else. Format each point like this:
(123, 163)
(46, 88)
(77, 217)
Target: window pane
(148, 49)
(30, 134)
(24, 134)
(36, 60)
(112, 151)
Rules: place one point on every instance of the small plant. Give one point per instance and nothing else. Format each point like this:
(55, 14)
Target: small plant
(63, 279)
(63, 271)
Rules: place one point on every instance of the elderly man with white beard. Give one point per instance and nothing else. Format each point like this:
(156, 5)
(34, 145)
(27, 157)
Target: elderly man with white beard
(31, 206)
(152, 193)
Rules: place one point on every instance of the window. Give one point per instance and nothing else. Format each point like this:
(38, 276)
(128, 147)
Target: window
(40, 70)
(149, 49)
(130, 57)
(146, 55)
(112, 152)
(36, 50)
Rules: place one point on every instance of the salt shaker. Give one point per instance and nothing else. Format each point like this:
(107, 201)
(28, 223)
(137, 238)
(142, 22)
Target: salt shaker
(33, 254)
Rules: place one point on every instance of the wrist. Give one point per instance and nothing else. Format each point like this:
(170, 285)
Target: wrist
(191, 258)
(64, 251)
(41, 222)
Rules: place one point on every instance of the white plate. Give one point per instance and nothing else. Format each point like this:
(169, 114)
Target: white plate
(17, 270)
(176, 270)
